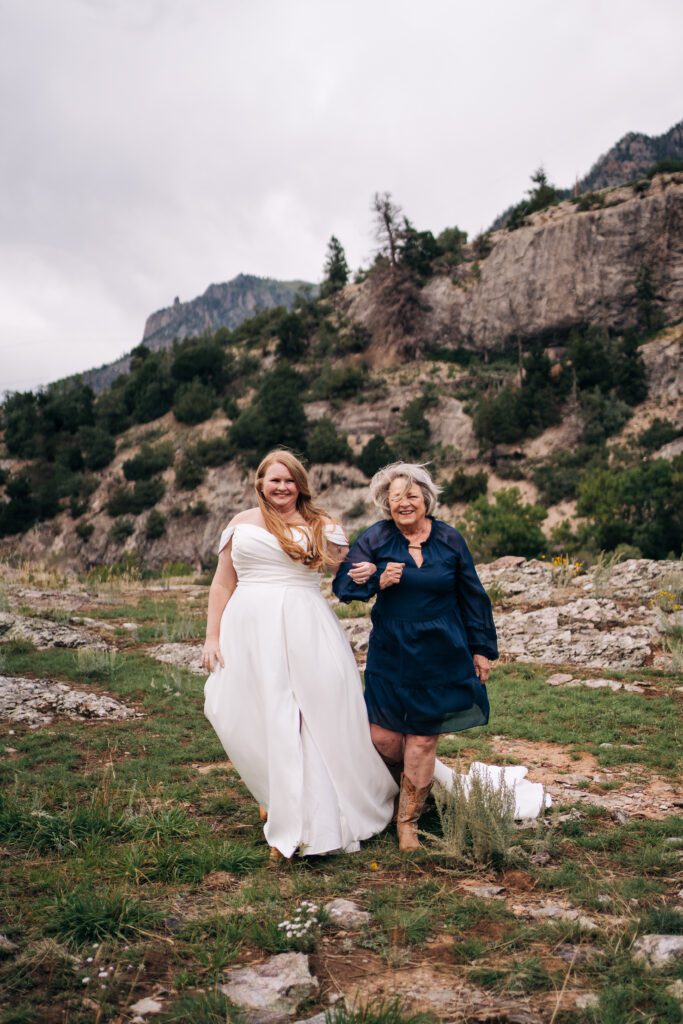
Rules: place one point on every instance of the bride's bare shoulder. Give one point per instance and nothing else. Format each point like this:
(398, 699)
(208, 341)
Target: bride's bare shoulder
(249, 515)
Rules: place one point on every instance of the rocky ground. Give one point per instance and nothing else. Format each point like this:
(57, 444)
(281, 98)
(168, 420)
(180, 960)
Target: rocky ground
(101, 734)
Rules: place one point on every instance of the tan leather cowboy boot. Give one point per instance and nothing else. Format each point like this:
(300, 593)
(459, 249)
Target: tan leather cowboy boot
(410, 804)
(395, 769)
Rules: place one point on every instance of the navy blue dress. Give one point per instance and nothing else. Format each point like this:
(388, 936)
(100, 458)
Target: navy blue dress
(420, 678)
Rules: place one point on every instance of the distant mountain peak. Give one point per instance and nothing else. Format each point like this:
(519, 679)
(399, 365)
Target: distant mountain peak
(633, 156)
(224, 304)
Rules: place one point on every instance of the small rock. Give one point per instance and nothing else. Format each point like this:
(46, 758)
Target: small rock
(575, 954)
(271, 991)
(658, 950)
(540, 858)
(674, 841)
(557, 912)
(606, 746)
(145, 1007)
(587, 1001)
(319, 1018)
(486, 892)
(130, 626)
(347, 914)
(559, 679)
(675, 990)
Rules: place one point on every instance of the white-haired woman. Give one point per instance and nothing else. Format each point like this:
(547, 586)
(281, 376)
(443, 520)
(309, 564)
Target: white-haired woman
(432, 633)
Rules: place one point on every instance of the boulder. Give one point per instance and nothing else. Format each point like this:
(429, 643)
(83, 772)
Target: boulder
(271, 991)
(658, 950)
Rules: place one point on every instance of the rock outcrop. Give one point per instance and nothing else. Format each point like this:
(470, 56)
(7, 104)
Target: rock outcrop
(566, 268)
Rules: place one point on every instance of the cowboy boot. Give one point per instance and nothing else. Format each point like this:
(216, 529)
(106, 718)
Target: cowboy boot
(262, 813)
(410, 804)
(395, 769)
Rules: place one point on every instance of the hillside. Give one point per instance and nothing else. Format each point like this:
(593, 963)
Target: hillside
(221, 305)
(632, 157)
(539, 370)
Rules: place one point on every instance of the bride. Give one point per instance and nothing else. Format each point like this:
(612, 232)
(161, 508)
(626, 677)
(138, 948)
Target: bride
(284, 694)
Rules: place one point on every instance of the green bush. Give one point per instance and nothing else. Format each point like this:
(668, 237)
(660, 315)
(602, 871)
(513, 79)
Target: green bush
(603, 415)
(98, 447)
(608, 364)
(638, 505)
(292, 339)
(148, 462)
(496, 419)
(325, 444)
(659, 433)
(134, 500)
(84, 531)
(275, 417)
(339, 382)
(558, 478)
(464, 487)
(156, 525)
(539, 198)
(189, 471)
(148, 388)
(202, 359)
(215, 451)
(412, 439)
(194, 402)
(121, 530)
(504, 526)
(375, 454)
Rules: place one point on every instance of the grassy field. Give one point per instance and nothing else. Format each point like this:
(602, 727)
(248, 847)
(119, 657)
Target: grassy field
(133, 862)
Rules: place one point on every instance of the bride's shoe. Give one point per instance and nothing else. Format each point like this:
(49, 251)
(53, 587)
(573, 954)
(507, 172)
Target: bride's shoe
(262, 813)
(275, 856)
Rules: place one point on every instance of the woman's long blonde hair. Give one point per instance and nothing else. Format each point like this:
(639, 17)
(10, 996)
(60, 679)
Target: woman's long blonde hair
(315, 556)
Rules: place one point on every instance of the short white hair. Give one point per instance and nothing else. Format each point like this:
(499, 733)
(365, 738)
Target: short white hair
(412, 473)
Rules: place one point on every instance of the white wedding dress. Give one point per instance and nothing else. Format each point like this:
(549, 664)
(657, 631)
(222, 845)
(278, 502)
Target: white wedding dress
(288, 706)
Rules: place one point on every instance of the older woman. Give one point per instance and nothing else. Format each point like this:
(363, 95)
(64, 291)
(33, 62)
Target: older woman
(432, 638)
(284, 694)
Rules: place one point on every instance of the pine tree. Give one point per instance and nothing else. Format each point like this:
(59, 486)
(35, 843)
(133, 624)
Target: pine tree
(336, 268)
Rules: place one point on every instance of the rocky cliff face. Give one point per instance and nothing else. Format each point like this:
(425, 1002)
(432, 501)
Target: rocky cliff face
(566, 268)
(221, 305)
(633, 156)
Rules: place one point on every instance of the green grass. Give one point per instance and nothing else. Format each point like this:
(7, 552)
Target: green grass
(584, 719)
(110, 834)
(81, 916)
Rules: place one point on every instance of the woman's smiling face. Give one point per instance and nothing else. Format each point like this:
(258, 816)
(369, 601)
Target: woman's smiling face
(406, 504)
(279, 488)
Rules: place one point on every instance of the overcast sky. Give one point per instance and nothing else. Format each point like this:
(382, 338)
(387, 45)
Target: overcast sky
(151, 147)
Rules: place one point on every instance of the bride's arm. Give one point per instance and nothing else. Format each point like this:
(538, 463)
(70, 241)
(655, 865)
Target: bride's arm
(221, 590)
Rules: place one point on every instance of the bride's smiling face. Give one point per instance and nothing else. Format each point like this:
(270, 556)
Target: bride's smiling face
(279, 488)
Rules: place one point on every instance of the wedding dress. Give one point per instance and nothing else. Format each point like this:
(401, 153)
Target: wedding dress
(288, 706)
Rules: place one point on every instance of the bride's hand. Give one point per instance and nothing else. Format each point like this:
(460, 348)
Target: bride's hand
(362, 571)
(211, 656)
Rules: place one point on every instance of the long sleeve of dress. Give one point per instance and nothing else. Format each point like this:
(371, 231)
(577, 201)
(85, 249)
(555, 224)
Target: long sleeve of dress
(343, 586)
(475, 606)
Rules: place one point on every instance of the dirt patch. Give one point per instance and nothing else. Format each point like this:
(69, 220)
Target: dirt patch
(572, 776)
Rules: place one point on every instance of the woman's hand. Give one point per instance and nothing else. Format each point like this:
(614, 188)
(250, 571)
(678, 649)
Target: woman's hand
(391, 575)
(211, 655)
(362, 571)
(482, 667)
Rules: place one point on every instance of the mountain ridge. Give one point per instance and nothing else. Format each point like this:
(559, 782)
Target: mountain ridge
(227, 304)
